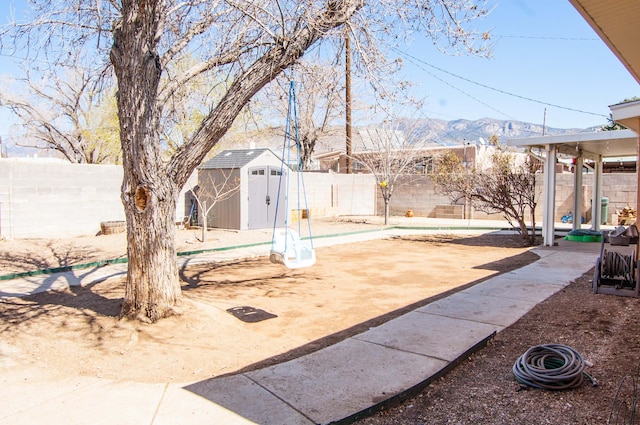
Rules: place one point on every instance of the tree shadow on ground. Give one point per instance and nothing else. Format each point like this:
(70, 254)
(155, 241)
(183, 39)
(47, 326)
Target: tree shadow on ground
(205, 274)
(55, 256)
(50, 294)
(218, 280)
(514, 262)
(495, 240)
(77, 303)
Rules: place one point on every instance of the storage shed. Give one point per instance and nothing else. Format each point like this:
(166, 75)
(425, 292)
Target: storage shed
(252, 177)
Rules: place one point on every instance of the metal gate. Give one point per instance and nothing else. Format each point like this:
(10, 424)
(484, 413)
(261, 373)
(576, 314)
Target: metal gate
(263, 197)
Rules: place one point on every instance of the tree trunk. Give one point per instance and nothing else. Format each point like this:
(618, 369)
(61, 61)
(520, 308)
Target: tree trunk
(524, 229)
(204, 222)
(149, 189)
(386, 211)
(151, 185)
(533, 227)
(153, 287)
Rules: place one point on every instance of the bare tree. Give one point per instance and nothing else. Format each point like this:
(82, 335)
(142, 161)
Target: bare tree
(505, 184)
(212, 190)
(250, 42)
(68, 112)
(319, 102)
(388, 153)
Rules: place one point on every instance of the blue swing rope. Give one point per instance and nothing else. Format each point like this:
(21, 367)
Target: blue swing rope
(291, 111)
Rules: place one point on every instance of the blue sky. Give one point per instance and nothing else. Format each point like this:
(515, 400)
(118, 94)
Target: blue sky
(544, 51)
(544, 54)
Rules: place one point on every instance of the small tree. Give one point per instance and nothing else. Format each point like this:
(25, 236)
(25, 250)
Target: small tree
(505, 184)
(212, 191)
(387, 153)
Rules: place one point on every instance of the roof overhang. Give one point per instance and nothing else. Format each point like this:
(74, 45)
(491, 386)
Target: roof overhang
(616, 23)
(594, 145)
(627, 114)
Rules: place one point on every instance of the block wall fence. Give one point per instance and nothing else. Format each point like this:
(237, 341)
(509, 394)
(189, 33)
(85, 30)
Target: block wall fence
(41, 198)
(44, 199)
(419, 195)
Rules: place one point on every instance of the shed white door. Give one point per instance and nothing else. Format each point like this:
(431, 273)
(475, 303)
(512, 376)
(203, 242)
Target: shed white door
(263, 197)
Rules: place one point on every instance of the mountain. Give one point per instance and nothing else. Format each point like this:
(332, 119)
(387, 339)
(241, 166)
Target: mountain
(431, 130)
(451, 133)
(459, 131)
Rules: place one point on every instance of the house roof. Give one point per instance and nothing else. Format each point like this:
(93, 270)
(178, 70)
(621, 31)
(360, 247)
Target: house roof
(627, 114)
(234, 158)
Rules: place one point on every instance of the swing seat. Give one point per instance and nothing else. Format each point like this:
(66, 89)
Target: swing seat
(288, 249)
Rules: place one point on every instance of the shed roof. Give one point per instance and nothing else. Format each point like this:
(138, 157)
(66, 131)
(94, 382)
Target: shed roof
(234, 158)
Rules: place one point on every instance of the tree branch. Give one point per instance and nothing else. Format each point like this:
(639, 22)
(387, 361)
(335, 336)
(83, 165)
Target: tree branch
(254, 78)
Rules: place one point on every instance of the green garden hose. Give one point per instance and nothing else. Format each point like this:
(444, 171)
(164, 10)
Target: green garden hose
(551, 367)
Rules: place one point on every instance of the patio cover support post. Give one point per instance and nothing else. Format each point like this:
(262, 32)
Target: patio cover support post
(577, 193)
(548, 220)
(637, 182)
(596, 199)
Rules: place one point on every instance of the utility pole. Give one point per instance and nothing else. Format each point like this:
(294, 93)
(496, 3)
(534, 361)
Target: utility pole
(347, 84)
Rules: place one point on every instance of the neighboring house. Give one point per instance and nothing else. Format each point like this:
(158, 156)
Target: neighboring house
(336, 160)
(256, 175)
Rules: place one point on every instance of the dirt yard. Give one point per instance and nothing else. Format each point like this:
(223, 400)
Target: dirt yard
(351, 288)
(293, 312)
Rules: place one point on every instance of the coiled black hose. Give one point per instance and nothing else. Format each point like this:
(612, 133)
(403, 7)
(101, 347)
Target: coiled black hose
(551, 367)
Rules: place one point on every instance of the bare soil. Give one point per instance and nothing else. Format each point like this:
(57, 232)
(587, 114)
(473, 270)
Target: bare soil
(293, 312)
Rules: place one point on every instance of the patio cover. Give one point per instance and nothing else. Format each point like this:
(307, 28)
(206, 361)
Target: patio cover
(594, 146)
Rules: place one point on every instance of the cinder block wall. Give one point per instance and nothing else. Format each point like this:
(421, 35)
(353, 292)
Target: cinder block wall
(416, 193)
(419, 195)
(53, 199)
(331, 195)
(355, 194)
(620, 189)
(40, 198)
(45, 199)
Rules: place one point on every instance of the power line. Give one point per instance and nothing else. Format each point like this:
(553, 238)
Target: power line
(463, 92)
(413, 58)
